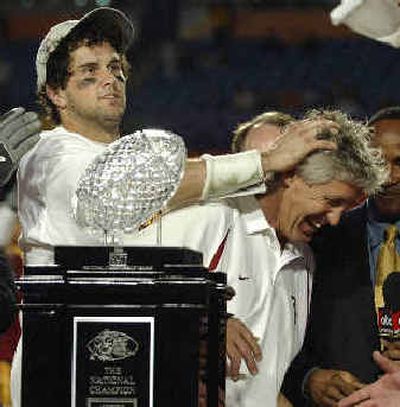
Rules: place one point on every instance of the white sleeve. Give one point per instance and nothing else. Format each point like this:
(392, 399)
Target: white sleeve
(229, 173)
(377, 19)
(47, 180)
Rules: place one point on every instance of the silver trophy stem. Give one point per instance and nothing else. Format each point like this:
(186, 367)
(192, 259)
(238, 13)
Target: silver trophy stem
(159, 230)
(108, 239)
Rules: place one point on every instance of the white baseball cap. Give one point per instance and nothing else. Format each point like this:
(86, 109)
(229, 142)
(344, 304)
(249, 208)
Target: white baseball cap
(103, 18)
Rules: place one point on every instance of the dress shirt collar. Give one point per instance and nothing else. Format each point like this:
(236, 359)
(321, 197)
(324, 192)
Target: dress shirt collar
(254, 222)
(252, 216)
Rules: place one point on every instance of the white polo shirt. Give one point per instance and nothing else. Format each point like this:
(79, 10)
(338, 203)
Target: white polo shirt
(273, 288)
(47, 180)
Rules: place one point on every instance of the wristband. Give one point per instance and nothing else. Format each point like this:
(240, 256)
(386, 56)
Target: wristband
(231, 172)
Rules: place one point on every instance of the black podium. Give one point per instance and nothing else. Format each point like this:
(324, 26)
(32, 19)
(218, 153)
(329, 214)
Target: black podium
(126, 327)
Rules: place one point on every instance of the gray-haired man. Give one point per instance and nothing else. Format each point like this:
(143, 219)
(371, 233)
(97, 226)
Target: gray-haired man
(266, 256)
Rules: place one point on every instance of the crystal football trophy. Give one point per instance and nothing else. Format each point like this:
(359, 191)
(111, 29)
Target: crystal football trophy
(129, 183)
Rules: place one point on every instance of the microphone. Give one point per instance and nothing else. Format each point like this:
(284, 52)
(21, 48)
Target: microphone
(385, 325)
(391, 297)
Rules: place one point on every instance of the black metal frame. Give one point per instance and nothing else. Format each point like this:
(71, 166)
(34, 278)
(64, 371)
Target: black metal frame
(179, 297)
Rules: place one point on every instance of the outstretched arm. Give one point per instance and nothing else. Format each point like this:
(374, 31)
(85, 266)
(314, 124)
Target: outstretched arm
(215, 177)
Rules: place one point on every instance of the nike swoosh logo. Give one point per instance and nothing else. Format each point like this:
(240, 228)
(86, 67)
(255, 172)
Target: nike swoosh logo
(242, 278)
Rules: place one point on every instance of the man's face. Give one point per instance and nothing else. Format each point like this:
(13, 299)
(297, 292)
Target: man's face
(387, 137)
(95, 91)
(304, 208)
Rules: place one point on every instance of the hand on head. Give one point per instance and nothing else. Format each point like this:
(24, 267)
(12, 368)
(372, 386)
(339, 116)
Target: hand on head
(296, 142)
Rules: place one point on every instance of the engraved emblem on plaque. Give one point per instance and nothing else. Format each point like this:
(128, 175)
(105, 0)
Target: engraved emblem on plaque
(112, 361)
(109, 346)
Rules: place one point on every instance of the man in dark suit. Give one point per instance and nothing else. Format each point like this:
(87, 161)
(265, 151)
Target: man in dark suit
(342, 334)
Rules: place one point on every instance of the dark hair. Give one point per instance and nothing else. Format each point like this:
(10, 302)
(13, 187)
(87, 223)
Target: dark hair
(57, 67)
(388, 113)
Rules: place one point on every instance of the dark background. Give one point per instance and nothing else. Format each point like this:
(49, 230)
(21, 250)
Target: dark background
(201, 66)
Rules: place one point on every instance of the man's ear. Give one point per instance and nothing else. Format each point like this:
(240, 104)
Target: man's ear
(288, 178)
(57, 96)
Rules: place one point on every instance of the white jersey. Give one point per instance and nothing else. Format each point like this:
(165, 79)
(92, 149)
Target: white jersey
(47, 179)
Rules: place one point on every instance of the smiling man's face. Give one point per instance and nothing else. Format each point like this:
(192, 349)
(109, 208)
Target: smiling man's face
(305, 208)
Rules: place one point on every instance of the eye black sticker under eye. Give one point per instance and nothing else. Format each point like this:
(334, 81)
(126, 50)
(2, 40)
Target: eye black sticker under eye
(83, 83)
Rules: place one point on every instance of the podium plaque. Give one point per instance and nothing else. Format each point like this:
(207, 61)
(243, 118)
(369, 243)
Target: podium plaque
(144, 331)
(112, 361)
